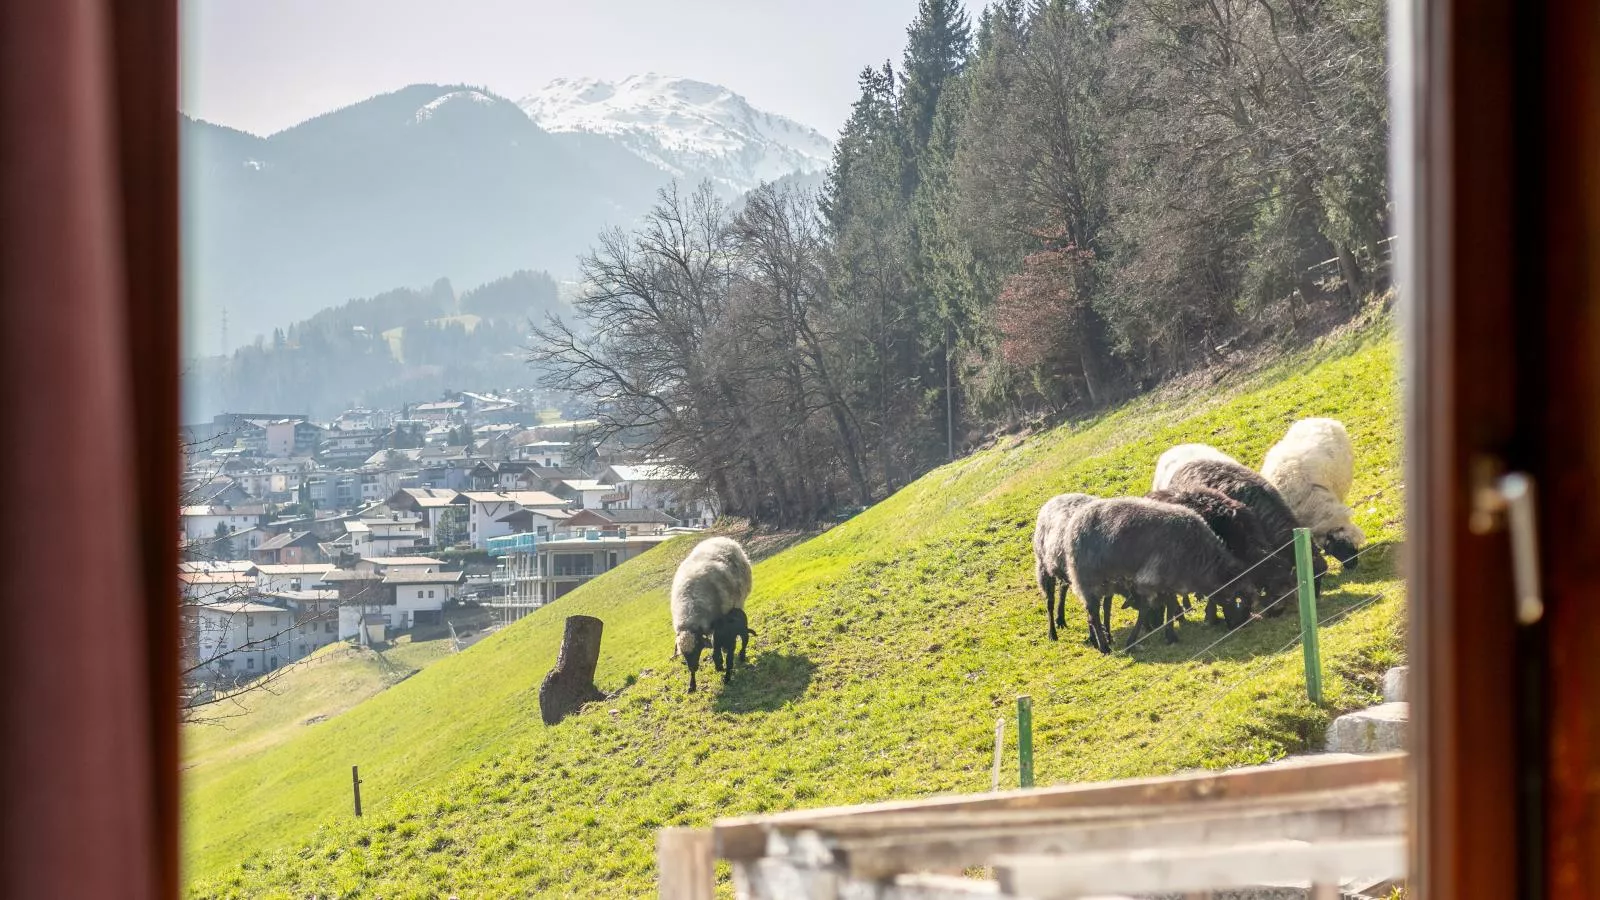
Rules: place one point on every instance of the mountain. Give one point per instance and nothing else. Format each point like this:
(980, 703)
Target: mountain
(687, 128)
(426, 182)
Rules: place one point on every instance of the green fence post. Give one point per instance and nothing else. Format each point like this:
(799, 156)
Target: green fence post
(1308, 613)
(1025, 739)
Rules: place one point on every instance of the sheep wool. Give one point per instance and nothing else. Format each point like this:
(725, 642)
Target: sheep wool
(1313, 467)
(1180, 456)
(1049, 554)
(711, 581)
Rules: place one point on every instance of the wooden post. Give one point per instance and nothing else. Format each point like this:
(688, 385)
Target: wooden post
(999, 746)
(686, 863)
(1025, 740)
(355, 782)
(1308, 613)
(571, 683)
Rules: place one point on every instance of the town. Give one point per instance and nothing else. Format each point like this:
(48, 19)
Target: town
(296, 534)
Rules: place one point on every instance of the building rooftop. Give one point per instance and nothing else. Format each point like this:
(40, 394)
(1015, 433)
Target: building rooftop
(387, 561)
(423, 578)
(605, 541)
(291, 569)
(521, 498)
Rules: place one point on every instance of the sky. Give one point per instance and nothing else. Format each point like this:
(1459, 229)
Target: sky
(264, 65)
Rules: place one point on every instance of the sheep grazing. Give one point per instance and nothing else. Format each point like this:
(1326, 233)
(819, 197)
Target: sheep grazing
(1150, 552)
(712, 581)
(1049, 554)
(1276, 520)
(1180, 456)
(1232, 522)
(1312, 468)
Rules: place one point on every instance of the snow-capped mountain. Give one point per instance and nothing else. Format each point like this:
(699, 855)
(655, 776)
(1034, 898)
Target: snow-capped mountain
(688, 128)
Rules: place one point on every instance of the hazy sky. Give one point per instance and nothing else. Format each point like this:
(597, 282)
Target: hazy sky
(263, 65)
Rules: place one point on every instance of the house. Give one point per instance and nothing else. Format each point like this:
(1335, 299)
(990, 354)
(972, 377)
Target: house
(234, 640)
(636, 521)
(361, 419)
(214, 581)
(485, 509)
(289, 548)
(542, 522)
(291, 437)
(565, 563)
(545, 453)
(201, 522)
(446, 468)
(420, 597)
(376, 537)
(485, 476)
(351, 448)
(587, 493)
(272, 578)
(427, 503)
(316, 619)
(663, 486)
(439, 413)
(217, 490)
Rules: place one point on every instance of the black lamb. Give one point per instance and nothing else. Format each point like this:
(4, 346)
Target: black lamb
(1272, 512)
(733, 627)
(1240, 530)
(1150, 552)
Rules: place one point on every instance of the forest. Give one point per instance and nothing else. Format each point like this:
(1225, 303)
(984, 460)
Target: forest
(1033, 216)
(341, 357)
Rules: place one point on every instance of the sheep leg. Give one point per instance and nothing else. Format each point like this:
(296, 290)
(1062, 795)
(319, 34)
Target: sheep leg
(1061, 604)
(1173, 615)
(744, 644)
(1105, 624)
(1140, 623)
(1050, 611)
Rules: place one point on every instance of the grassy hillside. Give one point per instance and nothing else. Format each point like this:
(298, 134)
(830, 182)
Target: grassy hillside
(887, 646)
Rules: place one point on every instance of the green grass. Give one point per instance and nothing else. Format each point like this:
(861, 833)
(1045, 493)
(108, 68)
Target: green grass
(887, 647)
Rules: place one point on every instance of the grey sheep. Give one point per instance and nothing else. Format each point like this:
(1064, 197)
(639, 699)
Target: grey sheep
(1049, 554)
(1151, 553)
(1238, 527)
(712, 581)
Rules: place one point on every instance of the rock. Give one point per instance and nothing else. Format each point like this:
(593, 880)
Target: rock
(1380, 729)
(1397, 685)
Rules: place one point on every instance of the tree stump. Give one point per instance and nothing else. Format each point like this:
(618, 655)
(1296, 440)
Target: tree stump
(571, 683)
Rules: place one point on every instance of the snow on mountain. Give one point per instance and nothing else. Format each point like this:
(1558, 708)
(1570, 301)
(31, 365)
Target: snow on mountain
(690, 129)
(465, 96)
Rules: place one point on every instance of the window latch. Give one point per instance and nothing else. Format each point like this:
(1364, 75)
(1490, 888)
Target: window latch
(1511, 497)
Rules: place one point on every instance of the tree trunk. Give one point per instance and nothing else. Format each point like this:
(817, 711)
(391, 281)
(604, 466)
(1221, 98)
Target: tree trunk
(571, 683)
(1092, 356)
(1355, 280)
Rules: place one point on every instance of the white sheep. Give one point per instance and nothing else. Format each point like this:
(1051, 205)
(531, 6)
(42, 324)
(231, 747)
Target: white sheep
(1312, 467)
(712, 581)
(1180, 456)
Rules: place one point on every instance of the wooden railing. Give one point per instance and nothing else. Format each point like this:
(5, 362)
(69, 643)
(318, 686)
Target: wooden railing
(1314, 822)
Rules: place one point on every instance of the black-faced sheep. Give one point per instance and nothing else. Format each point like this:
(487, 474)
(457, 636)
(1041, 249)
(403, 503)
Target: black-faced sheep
(1239, 530)
(1151, 553)
(1277, 521)
(1312, 468)
(1049, 554)
(712, 581)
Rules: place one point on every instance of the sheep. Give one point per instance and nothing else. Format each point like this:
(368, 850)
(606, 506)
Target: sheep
(1312, 468)
(1276, 520)
(1150, 552)
(733, 627)
(713, 580)
(1231, 521)
(1049, 561)
(1180, 456)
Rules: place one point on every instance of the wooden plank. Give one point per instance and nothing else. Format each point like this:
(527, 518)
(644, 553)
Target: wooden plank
(687, 865)
(1190, 869)
(917, 825)
(1202, 825)
(745, 837)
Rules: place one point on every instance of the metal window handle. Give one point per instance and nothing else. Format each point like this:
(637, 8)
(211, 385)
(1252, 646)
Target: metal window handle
(1516, 490)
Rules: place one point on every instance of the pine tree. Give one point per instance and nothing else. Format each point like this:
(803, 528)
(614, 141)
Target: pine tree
(938, 42)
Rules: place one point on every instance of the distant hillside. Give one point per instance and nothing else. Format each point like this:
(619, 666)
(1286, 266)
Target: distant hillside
(886, 648)
(396, 347)
(445, 180)
(427, 181)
